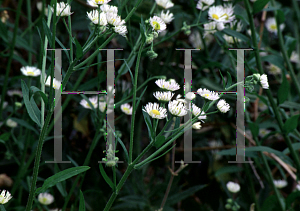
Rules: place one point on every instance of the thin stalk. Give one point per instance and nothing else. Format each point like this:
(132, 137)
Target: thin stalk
(70, 30)
(248, 174)
(43, 73)
(30, 31)
(284, 53)
(134, 102)
(8, 66)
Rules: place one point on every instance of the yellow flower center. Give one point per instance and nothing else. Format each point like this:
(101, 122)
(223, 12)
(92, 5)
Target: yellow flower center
(215, 16)
(88, 105)
(45, 200)
(273, 26)
(156, 25)
(30, 73)
(99, 1)
(126, 110)
(206, 95)
(155, 112)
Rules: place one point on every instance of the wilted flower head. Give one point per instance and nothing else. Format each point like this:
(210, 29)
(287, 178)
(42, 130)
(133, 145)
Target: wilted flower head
(164, 3)
(126, 108)
(233, 187)
(62, 9)
(94, 17)
(204, 4)
(30, 71)
(11, 123)
(167, 85)
(271, 25)
(280, 183)
(14, 92)
(166, 17)
(177, 108)
(39, 6)
(210, 95)
(295, 57)
(5, 197)
(121, 30)
(163, 96)
(45, 198)
(155, 111)
(223, 106)
(157, 24)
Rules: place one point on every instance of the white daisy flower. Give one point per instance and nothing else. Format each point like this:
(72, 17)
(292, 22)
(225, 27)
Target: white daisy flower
(210, 28)
(190, 96)
(126, 108)
(264, 81)
(273, 69)
(195, 40)
(56, 84)
(45, 198)
(157, 24)
(94, 17)
(167, 85)
(30, 71)
(197, 126)
(237, 26)
(271, 25)
(102, 105)
(98, 2)
(163, 96)
(121, 30)
(11, 123)
(177, 108)
(92, 3)
(223, 106)
(229, 39)
(216, 13)
(233, 187)
(155, 111)
(166, 17)
(5, 197)
(62, 9)
(294, 57)
(280, 183)
(14, 92)
(39, 6)
(109, 9)
(229, 13)
(114, 19)
(210, 95)
(263, 132)
(93, 101)
(196, 111)
(164, 3)
(204, 4)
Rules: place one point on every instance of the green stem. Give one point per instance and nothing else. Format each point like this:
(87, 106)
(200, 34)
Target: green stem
(70, 37)
(30, 31)
(134, 101)
(284, 53)
(8, 65)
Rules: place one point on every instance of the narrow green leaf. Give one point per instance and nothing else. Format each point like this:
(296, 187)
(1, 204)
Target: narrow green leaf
(159, 141)
(2, 208)
(283, 90)
(274, 59)
(291, 124)
(141, 97)
(61, 176)
(36, 90)
(47, 32)
(281, 16)
(28, 104)
(236, 34)
(229, 80)
(223, 81)
(228, 169)
(296, 146)
(81, 202)
(254, 128)
(79, 52)
(106, 178)
(173, 199)
(290, 44)
(127, 65)
(124, 148)
(149, 125)
(259, 5)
